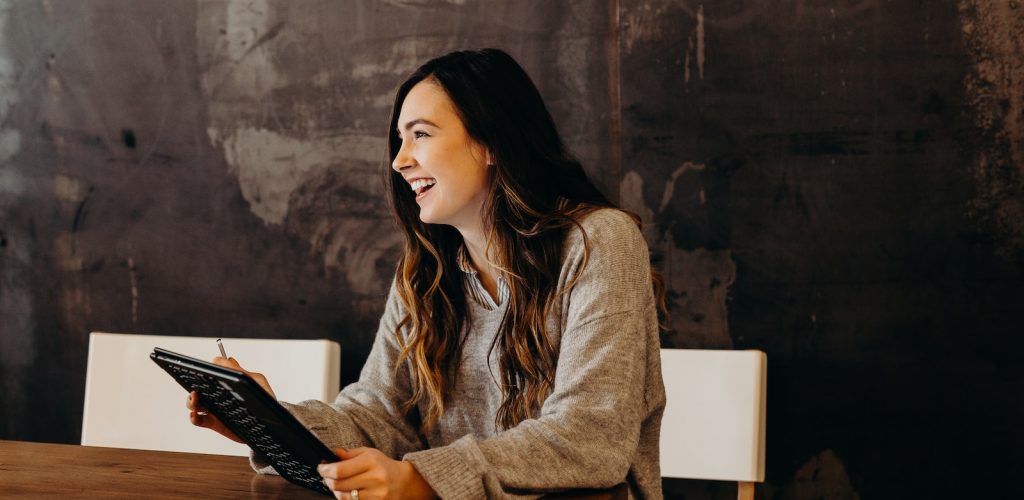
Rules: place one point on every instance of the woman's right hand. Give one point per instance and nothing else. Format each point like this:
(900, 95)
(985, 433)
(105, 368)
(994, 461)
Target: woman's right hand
(201, 418)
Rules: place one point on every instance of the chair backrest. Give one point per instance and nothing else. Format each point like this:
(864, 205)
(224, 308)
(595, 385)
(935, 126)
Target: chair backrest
(714, 422)
(131, 403)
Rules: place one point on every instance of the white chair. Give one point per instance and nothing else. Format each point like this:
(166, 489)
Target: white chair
(714, 422)
(130, 402)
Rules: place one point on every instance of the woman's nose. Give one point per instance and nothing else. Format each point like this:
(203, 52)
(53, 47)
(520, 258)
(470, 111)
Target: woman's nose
(402, 160)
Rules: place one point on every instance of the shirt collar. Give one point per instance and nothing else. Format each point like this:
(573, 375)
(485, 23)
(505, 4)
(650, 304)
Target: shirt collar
(475, 287)
(462, 259)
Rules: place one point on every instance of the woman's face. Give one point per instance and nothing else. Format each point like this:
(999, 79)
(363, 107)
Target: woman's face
(440, 162)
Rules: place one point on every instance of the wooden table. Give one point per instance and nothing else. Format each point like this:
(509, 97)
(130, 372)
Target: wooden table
(41, 470)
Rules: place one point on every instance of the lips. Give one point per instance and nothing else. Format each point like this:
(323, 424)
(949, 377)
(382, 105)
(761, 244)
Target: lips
(423, 192)
(421, 185)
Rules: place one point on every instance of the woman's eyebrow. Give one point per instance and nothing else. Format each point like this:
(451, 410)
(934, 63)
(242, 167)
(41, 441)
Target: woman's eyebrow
(424, 121)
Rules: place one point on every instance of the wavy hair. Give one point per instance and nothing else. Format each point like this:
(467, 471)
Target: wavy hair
(537, 193)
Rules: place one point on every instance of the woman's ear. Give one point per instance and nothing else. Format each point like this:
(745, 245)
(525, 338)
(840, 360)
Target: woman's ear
(490, 158)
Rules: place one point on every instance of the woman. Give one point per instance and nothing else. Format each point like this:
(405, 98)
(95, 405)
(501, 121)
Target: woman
(519, 347)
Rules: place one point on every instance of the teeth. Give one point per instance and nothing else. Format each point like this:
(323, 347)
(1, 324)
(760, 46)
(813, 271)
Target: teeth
(419, 184)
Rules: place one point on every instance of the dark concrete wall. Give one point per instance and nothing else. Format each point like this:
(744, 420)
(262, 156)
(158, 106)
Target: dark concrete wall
(840, 184)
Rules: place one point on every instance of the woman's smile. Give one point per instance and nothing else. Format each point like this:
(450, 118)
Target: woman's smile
(421, 185)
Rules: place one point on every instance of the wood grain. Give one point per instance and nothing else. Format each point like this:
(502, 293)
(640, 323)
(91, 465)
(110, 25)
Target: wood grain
(43, 470)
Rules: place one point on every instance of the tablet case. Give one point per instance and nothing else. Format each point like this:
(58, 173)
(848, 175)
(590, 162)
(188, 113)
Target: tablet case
(253, 415)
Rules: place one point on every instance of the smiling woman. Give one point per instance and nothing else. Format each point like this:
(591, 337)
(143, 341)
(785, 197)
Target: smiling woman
(518, 352)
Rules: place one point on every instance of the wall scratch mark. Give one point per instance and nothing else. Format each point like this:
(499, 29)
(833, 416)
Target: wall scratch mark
(615, 93)
(80, 213)
(266, 37)
(133, 280)
(695, 45)
(700, 41)
(670, 186)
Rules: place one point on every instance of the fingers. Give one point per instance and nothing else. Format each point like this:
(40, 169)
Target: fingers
(342, 495)
(201, 418)
(353, 462)
(368, 470)
(213, 423)
(192, 403)
(227, 363)
(343, 469)
(198, 415)
(258, 377)
(350, 454)
(356, 470)
(196, 412)
(363, 482)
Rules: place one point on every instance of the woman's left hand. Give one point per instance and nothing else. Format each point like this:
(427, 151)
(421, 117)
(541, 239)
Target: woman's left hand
(374, 476)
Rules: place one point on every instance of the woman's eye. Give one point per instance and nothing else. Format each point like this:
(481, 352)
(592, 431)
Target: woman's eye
(419, 133)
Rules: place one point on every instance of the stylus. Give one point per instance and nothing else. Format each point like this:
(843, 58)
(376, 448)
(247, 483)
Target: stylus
(221, 347)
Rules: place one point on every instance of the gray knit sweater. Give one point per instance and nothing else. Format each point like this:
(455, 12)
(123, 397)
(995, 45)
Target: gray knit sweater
(597, 428)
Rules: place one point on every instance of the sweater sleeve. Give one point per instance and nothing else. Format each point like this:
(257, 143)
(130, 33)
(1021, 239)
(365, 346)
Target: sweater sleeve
(586, 434)
(369, 411)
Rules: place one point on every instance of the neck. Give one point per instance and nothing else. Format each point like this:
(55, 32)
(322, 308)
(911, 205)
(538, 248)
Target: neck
(476, 245)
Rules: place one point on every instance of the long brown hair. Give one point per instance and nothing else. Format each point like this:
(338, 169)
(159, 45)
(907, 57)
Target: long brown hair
(537, 193)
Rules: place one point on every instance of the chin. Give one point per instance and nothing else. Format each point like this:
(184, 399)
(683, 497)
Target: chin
(431, 213)
(428, 218)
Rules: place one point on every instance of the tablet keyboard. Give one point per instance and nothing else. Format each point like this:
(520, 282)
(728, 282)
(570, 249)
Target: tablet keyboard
(223, 401)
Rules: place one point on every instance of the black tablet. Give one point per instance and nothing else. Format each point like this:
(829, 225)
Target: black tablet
(253, 415)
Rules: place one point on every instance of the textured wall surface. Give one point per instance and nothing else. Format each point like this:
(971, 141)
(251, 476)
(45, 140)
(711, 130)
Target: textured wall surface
(839, 184)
